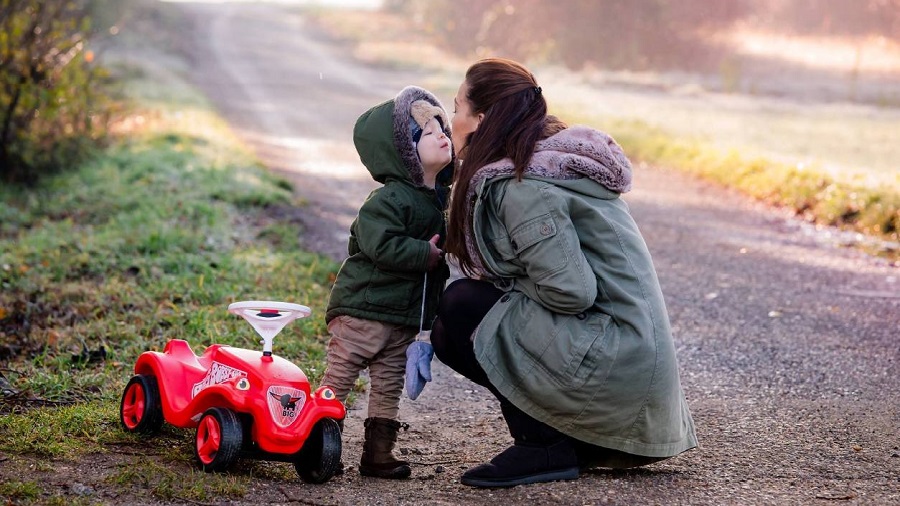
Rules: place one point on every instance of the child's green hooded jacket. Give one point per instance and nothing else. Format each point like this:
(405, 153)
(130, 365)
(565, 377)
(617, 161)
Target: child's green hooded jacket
(388, 248)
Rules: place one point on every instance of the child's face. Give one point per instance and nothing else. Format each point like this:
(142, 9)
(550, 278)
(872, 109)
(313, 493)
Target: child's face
(435, 149)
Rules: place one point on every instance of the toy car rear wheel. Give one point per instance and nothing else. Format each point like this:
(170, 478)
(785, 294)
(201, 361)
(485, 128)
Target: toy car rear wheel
(219, 439)
(140, 410)
(320, 457)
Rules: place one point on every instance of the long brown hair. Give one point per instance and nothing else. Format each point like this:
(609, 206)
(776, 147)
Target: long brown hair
(515, 119)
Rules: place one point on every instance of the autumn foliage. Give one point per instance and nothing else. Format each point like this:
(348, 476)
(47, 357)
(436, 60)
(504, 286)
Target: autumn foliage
(50, 97)
(635, 34)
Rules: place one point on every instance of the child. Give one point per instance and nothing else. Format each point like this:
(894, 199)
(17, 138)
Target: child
(375, 308)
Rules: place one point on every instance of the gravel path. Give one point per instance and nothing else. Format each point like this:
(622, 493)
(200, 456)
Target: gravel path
(788, 344)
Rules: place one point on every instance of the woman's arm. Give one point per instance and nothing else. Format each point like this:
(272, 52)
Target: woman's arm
(542, 238)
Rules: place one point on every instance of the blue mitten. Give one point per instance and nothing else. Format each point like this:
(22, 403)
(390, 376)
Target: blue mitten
(418, 367)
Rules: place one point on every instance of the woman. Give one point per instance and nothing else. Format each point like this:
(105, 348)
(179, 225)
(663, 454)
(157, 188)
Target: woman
(563, 318)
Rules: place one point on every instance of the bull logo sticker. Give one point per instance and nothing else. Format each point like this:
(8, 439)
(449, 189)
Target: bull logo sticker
(285, 403)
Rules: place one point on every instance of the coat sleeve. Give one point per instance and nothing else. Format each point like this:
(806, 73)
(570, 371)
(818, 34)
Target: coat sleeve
(542, 239)
(383, 234)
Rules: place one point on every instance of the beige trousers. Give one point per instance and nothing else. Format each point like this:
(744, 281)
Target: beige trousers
(356, 344)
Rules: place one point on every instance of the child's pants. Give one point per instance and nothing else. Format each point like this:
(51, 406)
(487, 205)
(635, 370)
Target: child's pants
(356, 344)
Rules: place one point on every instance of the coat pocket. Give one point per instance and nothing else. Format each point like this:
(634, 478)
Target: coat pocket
(570, 349)
(525, 235)
(390, 290)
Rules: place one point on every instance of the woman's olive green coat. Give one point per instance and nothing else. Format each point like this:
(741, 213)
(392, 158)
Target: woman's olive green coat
(581, 340)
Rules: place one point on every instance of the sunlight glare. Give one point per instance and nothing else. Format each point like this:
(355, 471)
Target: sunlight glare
(874, 54)
(341, 4)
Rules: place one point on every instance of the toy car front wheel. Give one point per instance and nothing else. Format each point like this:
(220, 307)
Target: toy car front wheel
(219, 439)
(320, 457)
(140, 410)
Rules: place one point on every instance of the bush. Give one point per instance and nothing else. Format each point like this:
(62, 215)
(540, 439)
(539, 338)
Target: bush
(51, 99)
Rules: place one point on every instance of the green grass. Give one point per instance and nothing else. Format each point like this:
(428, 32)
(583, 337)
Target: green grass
(811, 192)
(167, 484)
(149, 241)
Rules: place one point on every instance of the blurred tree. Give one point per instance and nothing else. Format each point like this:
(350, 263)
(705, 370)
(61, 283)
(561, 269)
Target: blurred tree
(635, 34)
(834, 17)
(49, 93)
(609, 33)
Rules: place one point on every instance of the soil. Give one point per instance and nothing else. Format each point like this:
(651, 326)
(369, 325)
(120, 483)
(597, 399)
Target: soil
(787, 341)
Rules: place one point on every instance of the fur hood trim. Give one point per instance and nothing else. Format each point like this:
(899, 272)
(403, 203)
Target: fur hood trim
(573, 153)
(403, 138)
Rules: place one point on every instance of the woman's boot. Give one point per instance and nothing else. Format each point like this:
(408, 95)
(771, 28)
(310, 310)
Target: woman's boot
(377, 459)
(540, 453)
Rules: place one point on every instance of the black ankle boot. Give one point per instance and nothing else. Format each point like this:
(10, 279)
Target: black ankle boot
(377, 459)
(525, 463)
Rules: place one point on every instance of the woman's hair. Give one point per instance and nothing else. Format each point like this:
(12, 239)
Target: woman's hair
(515, 119)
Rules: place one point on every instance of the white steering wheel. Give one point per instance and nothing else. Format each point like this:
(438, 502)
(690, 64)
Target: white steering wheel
(268, 317)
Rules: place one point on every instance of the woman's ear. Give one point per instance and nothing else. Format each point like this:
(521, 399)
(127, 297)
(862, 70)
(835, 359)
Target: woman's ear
(480, 117)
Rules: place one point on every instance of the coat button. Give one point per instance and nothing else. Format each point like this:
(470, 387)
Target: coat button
(545, 229)
(505, 298)
(581, 316)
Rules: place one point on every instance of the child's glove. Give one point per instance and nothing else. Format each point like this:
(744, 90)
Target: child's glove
(418, 367)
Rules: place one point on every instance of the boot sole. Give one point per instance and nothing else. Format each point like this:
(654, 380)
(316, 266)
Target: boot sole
(398, 473)
(561, 474)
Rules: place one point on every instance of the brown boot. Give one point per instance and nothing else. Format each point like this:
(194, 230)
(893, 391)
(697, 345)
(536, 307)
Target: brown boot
(377, 459)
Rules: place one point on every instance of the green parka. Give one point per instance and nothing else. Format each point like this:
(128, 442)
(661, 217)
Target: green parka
(382, 277)
(581, 340)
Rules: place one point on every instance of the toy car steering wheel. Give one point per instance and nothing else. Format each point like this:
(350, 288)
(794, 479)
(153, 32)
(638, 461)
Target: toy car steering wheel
(268, 317)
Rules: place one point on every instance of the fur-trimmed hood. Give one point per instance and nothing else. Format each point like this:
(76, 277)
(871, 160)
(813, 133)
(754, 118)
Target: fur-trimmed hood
(573, 153)
(384, 140)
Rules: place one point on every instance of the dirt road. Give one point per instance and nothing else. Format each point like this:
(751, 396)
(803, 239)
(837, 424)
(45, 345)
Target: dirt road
(789, 346)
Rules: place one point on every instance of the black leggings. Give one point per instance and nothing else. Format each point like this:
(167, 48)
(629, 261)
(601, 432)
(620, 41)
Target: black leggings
(463, 305)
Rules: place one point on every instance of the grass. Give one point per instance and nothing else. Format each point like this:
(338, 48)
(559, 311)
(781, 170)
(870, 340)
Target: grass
(809, 191)
(168, 484)
(149, 241)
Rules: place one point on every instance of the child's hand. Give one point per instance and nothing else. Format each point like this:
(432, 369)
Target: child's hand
(435, 254)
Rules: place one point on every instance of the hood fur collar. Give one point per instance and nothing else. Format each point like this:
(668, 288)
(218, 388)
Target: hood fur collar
(573, 153)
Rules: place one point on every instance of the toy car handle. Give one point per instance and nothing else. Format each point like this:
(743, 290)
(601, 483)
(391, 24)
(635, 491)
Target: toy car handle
(268, 317)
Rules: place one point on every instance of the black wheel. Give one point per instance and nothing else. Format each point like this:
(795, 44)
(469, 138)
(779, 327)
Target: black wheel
(320, 457)
(219, 439)
(140, 410)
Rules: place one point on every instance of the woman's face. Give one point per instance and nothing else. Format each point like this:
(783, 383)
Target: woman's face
(463, 122)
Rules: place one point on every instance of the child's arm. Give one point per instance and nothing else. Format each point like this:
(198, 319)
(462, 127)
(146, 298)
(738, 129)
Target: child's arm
(383, 236)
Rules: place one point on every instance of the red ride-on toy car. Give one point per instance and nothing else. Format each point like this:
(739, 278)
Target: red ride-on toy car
(242, 402)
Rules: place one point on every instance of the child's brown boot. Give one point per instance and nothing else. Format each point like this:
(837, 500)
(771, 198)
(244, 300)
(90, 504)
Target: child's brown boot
(377, 459)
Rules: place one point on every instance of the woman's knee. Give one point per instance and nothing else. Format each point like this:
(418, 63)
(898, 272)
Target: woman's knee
(440, 340)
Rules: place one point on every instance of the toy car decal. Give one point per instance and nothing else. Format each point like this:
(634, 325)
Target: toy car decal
(218, 373)
(285, 403)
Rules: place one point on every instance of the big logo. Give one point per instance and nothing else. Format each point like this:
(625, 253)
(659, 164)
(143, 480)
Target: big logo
(285, 403)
